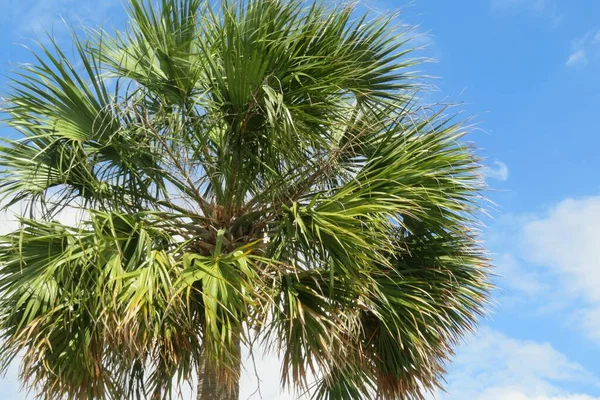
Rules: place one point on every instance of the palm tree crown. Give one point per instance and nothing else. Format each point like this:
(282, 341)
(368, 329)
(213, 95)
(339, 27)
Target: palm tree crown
(256, 173)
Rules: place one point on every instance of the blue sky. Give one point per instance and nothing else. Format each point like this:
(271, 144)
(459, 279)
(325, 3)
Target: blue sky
(528, 70)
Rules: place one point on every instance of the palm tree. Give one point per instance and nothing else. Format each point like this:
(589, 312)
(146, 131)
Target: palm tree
(257, 174)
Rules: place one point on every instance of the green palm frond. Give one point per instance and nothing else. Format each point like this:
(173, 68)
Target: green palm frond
(249, 173)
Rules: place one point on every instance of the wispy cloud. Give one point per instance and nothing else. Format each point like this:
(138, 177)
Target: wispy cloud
(584, 49)
(548, 9)
(493, 366)
(511, 5)
(33, 18)
(497, 170)
(512, 276)
(553, 257)
(577, 59)
(10, 388)
(565, 241)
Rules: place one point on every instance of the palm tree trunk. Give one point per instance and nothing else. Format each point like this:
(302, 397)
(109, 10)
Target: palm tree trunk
(209, 386)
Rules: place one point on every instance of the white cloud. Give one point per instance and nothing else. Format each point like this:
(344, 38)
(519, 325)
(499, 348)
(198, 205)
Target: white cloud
(516, 395)
(498, 170)
(70, 215)
(567, 242)
(10, 389)
(589, 319)
(262, 382)
(512, 276)
(267, 374)
(584, 50)
(577, 59)
(493, 366)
